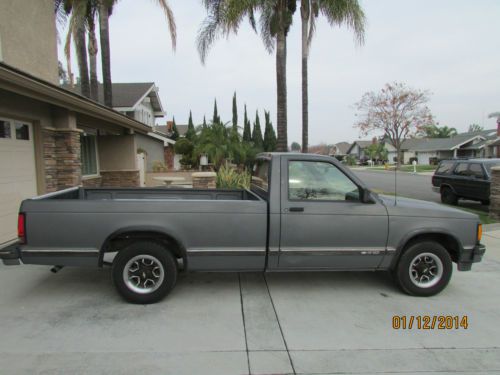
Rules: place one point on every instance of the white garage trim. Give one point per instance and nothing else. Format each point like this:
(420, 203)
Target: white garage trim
(18, 178)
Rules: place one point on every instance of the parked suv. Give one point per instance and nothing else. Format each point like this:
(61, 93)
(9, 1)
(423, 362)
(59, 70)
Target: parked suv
(469, 179)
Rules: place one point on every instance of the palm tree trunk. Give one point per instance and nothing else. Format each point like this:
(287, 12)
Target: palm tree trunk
(304, 12)
(282, 143)
(105, 53)
(92, 48)
(81, 55)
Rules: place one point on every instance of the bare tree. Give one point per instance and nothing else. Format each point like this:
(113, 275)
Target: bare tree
(397, 110)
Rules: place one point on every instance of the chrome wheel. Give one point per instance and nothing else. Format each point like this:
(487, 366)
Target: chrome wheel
(426, 269)
(143, 274)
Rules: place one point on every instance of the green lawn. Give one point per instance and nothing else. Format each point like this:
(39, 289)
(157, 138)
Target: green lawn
(420, 168)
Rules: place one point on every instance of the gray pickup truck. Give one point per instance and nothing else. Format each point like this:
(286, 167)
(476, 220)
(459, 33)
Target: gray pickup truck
(303, 213)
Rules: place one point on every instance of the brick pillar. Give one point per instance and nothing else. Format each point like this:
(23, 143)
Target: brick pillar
(204, 180)
(49, 160)
(495, 193)
(68, 155)
(62, 158)
(169, 157)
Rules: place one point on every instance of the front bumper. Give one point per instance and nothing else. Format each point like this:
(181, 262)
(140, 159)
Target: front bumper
(467, 257)
(11, 255)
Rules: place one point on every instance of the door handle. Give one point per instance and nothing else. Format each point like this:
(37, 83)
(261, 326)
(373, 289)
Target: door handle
(296, 209)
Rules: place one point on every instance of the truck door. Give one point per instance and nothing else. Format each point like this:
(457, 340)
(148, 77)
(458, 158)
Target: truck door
(324, 224)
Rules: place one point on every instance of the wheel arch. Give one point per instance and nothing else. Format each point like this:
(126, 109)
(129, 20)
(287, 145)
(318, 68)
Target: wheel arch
(124, 236)
(448, 240)
(446, 185)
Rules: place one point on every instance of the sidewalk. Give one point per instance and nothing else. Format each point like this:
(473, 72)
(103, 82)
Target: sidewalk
(491, 238)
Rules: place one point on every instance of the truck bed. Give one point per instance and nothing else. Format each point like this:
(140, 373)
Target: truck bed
(216, 228)
(160, 193)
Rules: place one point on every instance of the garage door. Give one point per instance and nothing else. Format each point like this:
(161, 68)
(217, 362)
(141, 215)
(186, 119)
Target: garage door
(17, 173)
(423, 157)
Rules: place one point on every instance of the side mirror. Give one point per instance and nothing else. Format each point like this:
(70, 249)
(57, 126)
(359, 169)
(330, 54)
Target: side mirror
(365, 196)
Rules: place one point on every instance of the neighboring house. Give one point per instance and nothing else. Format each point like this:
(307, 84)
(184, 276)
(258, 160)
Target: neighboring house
(407, 150)
(357, 149)
(464, 145)
(339, 150)
(138, 100)
(52, 138)
(167, 129)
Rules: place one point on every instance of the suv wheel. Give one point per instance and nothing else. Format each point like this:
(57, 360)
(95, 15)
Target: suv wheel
(144, 272)
(448, 196)
(424, 269)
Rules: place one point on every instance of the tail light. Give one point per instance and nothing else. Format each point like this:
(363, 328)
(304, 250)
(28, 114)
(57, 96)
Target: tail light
(479, 232)
(21, 228)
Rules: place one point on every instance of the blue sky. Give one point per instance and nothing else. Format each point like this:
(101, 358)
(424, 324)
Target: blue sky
(449, 47)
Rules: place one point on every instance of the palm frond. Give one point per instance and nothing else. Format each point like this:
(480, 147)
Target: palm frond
(171, 21)
(347, 12)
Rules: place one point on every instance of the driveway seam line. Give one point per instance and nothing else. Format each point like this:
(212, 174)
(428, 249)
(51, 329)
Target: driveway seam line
(279, 325)
(244, 324)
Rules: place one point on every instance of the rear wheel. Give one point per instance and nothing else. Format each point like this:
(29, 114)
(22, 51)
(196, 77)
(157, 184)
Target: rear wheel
(448, 196)
(144, 272)
(424, 269)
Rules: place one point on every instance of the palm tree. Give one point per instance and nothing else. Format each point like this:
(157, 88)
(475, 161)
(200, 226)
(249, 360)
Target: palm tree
(77, 11)
(225, 17)
(337, 12)
(105, 10)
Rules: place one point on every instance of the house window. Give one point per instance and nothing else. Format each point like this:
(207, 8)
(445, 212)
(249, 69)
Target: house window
(22, 131)
(89, 154)
(4, 129)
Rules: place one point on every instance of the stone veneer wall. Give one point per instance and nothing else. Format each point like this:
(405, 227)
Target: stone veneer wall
(61, 154)
(93, 182)
(495, 193)
(128, 178)
(169, 157)
(204, 180)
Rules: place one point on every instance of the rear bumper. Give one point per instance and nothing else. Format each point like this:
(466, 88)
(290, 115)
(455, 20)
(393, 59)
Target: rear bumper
(11, 255)
(467, 257)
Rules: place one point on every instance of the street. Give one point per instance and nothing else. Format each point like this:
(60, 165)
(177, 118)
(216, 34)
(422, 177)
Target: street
(417, 186)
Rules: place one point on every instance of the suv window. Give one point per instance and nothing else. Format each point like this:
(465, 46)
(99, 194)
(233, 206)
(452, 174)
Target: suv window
(311, 180)
(476, 170)
(445, 167)
(462, 169)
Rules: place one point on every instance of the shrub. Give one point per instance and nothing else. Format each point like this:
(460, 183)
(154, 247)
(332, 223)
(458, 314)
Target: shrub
(183, 146)
(230, 178)
(159, 166)
(350, 160)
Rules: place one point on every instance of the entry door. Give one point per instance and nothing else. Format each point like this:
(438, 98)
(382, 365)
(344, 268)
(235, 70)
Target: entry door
(17, 173)
(323, 222)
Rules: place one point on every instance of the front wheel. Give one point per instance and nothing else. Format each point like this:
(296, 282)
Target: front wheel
(144, 272)
(424, 269)
(448, 196)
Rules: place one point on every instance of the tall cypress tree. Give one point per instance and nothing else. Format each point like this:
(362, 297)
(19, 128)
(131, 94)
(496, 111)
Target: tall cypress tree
(191, 132)
(204, 122)
(257, 133)
(269, 134)
(247, 135)
(235, 114)
(175, 132)
(216, 118)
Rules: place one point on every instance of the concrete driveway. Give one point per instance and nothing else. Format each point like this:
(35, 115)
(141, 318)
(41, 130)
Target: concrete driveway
(308, 323)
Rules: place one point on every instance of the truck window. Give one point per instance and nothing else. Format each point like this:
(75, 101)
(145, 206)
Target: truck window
(309, 180)
(260, 174)
(445, 167)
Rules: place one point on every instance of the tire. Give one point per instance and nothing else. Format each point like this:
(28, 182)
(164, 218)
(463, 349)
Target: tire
(448, 196)
(144, 272)
(421, 261)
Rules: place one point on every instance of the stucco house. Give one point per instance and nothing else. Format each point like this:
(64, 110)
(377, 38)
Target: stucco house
(52, 138)
(357, 149)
